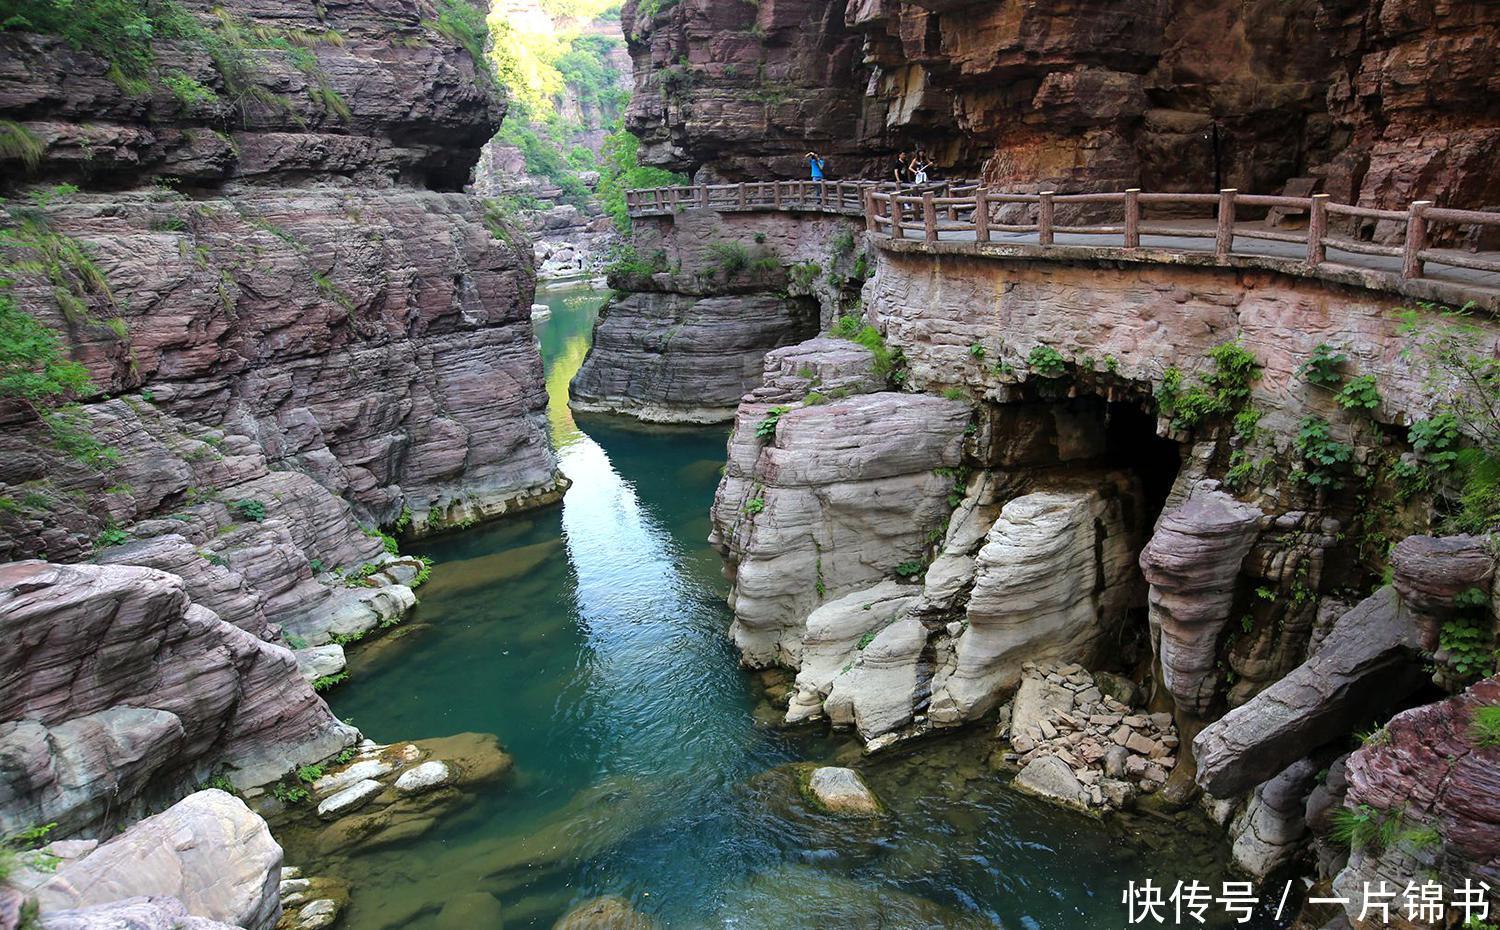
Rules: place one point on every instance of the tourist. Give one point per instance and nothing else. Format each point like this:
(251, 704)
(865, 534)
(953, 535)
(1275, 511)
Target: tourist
(816, 163)
(903, 163)
(919, 167)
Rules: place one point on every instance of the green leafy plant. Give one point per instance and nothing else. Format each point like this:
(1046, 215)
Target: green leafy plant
(766, 428)
(113, 536)
(1484, 727)
(17, 143)
(1324, 460)
(293, 641)
(1324, 367)
(976, 350)
(308, 774)
(290, 793)
(247, 509)
(888, 363)
(1046, 361)
(865, 640)
(754, 505)
(345, 756)
(1363, 827)
(218, 783)
(1223, 390)
(1360, 393)
(328, 681)
(910, 569)
(729, 258)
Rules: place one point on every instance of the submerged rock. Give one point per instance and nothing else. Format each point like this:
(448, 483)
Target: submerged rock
(842, 791)
(606, 913)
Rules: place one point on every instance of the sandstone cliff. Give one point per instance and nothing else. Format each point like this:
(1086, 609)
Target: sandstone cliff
(1385, 100)
(298, 331)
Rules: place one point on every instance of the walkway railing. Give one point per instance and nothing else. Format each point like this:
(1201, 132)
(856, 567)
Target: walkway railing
(930, 217)
(966, 211)
(843, 197)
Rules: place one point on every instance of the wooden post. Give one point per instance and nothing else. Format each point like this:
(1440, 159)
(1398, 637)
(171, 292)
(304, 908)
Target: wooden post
(776, 194)
(740, 194)
(1416, 239)
(982, 215)
(871, 223)
(896, 231)
(703, 196)
(1317, 228)
(929, 217)
(1224, 237)
(1133, 218)
(1044, 218)
(672, 195)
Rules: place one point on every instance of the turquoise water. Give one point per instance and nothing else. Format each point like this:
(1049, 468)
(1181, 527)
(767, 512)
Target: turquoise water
(590, 638)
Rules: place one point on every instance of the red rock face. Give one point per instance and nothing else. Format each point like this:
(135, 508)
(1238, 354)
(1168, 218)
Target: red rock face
(305, 280)
(1389, 99)
(1431, 768)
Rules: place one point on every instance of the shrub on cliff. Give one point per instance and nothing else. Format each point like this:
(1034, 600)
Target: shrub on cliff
(620, 170)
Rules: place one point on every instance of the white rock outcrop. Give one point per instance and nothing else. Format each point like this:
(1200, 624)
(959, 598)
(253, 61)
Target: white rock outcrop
(208, 851)
(1053, 580)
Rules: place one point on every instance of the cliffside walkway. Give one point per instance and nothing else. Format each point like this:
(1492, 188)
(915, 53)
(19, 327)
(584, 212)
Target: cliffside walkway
(964, 218)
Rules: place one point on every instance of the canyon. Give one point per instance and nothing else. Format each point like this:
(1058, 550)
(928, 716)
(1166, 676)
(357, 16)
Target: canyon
(1127, 532)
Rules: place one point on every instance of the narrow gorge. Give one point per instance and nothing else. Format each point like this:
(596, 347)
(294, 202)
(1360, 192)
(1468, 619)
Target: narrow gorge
(1114, 507)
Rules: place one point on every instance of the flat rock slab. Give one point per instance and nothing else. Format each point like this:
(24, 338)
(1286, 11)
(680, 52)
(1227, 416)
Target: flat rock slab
(359, 771)
(349, 799)
(1035, 702)
(1051, 778)
(424, 778)
(842, 791)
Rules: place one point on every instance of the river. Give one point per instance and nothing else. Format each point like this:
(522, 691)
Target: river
(591, 638)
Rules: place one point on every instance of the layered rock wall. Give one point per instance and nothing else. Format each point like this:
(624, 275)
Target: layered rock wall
(1385, 100)
(297, 330)
(709, 295)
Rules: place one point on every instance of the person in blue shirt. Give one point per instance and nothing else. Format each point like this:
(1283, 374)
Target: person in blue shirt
(816, 163)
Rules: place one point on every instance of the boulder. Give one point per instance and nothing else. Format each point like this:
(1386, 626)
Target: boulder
(1036, 701)
(1267, 833)
(320, 661)
(1191, 563)
(1366, 665)
(118, 686)
(606, 913)
(477, 910)
(137, 913)
(1432, 770)
(842, 791)
(836, 635)
(880, 692)
(1428, 571)
(208, 851)
(1052, 778)
(1053, 581)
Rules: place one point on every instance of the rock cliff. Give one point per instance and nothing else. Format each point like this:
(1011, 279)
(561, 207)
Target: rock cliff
(249, 231)
(1385, 100)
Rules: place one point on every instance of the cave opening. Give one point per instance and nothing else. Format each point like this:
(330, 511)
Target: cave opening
(1131, 443)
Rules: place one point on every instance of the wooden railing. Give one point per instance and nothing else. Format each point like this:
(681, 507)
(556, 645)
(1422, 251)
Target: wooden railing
(929, 217)
(967, 211)
(843, 197)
